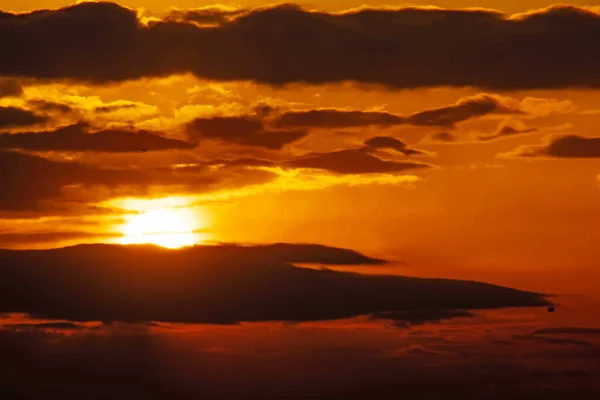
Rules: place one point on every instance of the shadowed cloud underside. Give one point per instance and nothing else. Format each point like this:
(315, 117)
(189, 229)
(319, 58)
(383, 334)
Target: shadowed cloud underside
(401, 48)
(226, 284)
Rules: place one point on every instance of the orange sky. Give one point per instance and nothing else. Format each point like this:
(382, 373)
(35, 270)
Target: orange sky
(481, 212)
(159, 5)
(298, 169)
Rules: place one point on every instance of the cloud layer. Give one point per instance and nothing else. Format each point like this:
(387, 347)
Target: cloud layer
(464, 358)
(466, 108)
(352, 161)
(230, 284)
(245, 130)
(568, 146)
(79, 137)
(13, 117)
(401, 48)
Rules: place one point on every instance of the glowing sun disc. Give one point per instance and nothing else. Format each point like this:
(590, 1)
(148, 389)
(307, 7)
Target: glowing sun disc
(164, 228)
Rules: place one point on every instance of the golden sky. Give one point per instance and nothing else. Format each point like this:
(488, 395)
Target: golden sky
(474, 156)
(159, 5)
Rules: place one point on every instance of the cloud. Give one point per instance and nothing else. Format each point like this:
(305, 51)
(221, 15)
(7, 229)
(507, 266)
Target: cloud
(38, 184)
(59, 326)
(399, 47)
(114, 107)
(556, 341)
(20, 238)
(10, 88)
(566, 330)
(12, 117)
(388, 142)
(244, 130)
(79, 137)
(404, 319)
(270, 128)
(223, 284)
(443, 137)
(301, 179)
(506, 131)
(33, 179)
(464, 109)
(121, 361)
(508, 128)
(351, 161)
(416, 350)
(543, 107)
(568, 146)
(50, 106)
(337, 118)
(305, 253)
(205, 16)
(573, 146)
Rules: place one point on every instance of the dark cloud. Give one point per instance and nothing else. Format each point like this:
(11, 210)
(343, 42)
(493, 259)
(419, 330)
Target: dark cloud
(263, 109)
(388, 142)
(334, 118)
(404, 319)
(567, 330)
(50, 106)
(114, 107)
(573, 147)
(416, 351)
(13, 117)
(351, 161)
(79, 137)
(35, 181)
(556, 341)
(443, 137)
(47, 325)
(10, 88)
(509, 130)
(307, 253)
(244, 130)
(32, 179)
(505, 131)
(12, 238)
(37, 184)
(402, 48)
(570, 146)
(464, 109)
(271, 129)
(221, 284)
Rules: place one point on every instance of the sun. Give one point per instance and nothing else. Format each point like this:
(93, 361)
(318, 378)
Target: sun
(166, 228)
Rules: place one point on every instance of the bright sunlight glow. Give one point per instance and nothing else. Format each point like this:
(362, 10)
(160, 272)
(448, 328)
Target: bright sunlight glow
(166, 228)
